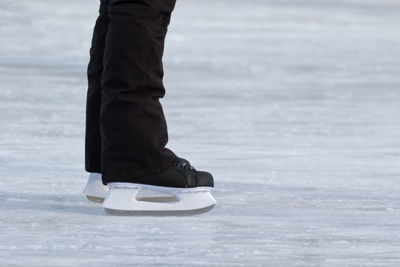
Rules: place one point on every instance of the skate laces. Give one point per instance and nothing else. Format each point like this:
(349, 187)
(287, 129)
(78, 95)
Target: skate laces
(185, 165)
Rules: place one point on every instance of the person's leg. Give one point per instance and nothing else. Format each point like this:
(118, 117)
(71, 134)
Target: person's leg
(125, 84)
(93, 102)
(133, 127)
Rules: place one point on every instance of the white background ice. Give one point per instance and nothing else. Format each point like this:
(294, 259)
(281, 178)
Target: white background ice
(292, 105)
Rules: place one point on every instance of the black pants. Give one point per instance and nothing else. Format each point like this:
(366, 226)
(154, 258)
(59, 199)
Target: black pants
(126, 132)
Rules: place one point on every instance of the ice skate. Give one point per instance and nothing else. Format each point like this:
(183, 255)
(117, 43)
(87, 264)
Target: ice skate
(180, 190)
(95, 190)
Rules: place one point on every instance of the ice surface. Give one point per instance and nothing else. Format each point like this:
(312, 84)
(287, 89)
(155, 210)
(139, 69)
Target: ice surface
(292, 105)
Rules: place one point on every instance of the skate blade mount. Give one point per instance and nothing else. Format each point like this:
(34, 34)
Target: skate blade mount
(94, 190)
(139, 199)
(143, 195)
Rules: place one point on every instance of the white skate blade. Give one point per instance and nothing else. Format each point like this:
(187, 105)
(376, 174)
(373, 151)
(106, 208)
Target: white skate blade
(95, 190)
(139, 199)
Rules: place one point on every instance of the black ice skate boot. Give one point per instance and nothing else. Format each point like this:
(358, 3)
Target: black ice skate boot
(178, 190)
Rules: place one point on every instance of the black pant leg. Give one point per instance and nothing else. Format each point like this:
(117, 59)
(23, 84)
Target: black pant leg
(133, 127)
(93, 100)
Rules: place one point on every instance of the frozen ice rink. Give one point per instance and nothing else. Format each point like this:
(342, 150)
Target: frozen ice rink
(294, 106)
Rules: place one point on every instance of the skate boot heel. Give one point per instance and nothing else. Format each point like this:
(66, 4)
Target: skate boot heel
(131, 199)
(95, 190)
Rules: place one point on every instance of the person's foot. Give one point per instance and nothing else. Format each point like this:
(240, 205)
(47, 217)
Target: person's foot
(181, 175)
(179, 189)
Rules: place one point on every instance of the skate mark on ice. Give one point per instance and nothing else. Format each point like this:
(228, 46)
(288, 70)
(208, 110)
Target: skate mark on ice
(48, 203)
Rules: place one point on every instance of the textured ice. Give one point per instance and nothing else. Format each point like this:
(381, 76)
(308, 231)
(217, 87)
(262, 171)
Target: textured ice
(292, 105)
